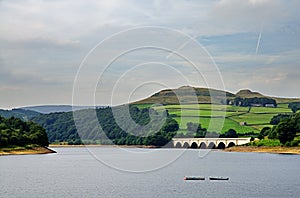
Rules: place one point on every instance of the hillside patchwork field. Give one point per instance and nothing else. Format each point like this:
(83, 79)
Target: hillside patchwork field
(221, 118)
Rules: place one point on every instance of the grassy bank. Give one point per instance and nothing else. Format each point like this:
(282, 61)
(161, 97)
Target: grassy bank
(28, 150)
(265, 149)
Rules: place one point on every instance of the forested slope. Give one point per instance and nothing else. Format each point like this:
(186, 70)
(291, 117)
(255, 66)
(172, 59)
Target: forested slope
(103, 128)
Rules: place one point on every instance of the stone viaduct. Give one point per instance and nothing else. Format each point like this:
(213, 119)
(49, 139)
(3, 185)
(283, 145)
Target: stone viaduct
(208, 143)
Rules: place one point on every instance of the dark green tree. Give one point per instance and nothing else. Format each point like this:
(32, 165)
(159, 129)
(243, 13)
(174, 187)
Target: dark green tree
(264, 132)
(231, 133)
(294, 106)
(277, 118)
(286, 131)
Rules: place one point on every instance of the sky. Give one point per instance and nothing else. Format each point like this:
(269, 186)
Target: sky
(86, 52)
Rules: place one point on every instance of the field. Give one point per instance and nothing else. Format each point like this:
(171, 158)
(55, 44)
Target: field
(221, 118)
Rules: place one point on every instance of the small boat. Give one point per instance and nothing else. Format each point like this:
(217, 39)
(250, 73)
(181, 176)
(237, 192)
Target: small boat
(218, 178)
(193, 178)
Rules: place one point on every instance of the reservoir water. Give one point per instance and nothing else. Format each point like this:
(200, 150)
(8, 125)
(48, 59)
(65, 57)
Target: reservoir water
(76, 172)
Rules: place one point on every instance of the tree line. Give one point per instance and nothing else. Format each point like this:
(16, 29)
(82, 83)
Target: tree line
(247, 102)
(195, 130)
(15, 132)
(285, 130)
(105, 129)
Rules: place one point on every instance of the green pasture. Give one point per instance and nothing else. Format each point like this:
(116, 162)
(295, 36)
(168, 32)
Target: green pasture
(221, 118)
(201, 113)
(283, 105)
(270, 110)
(214, 107)
(253, 118)
(142, 106)
(214, 124)
(259, 127)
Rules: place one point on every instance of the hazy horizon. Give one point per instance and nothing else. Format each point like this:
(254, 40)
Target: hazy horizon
(92, 105)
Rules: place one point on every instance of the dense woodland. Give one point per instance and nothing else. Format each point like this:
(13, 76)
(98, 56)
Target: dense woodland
(14, 131)
(103, 129)
(247, 102)
(285, 130)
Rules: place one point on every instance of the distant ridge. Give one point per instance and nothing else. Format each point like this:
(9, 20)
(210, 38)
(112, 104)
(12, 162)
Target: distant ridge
(203, 95)
(45, 109)
(27, 113)
(19, 113)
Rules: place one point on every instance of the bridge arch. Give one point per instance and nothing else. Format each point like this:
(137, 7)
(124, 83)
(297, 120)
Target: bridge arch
(221, 145)
(231, 144)
(211, 145)
(202, 145)
(194, 145)
(178, 145)
(186, 145)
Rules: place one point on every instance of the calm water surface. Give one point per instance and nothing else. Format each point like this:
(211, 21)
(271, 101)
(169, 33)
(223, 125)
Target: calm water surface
(74, 172)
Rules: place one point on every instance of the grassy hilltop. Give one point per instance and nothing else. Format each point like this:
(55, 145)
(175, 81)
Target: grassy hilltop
(203, 95)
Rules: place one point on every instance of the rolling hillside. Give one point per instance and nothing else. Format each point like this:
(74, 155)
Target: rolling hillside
(217, 117)
(19, 113)
(187, 94)
(169, 96)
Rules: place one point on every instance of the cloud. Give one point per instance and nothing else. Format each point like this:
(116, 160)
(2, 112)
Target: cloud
(38, 43)
(42, 43)
(74, 19)
(54, 19)
(251, 16)
(278, 79)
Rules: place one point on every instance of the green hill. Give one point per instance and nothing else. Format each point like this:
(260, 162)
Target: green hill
(203, 95)
(246, 93)
(187, 94)
(217, 117)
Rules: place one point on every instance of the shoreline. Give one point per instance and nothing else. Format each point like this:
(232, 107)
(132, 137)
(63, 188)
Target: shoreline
(245, 149)
(264, 149)
(102, 145)
(24, 151)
